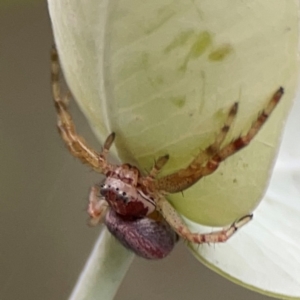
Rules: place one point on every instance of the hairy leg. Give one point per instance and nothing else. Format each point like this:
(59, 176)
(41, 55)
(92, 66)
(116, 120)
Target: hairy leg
(159, 164)
(178, 225)
(212, 149)
(75, 143)
(185, 178)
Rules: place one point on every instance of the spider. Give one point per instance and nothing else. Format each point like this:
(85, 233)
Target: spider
(134, 206)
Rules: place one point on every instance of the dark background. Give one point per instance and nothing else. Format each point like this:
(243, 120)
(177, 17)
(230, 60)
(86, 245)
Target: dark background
(44, 238)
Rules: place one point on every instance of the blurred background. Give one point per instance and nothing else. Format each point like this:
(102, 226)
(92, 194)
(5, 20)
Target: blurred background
(45, 239)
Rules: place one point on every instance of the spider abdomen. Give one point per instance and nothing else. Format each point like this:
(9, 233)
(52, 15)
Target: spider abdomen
(148, 238)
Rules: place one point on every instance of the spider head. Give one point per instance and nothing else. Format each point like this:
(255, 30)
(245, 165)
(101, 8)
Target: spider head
(123, 194)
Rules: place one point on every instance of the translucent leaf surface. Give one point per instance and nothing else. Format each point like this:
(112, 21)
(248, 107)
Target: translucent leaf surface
(265, 254)
(162, 74)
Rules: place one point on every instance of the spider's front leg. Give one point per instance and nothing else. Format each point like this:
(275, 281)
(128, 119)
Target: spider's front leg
(75, 143)
(178, 225)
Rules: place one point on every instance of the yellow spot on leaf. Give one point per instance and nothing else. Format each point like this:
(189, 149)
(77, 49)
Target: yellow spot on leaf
(203, 41)
(220, 53)
(179, 101)
(179, 40)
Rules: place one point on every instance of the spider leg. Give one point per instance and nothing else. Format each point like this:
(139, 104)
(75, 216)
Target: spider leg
(159, 164)
(202, 156)
(212, 149)
(97, 207)
(75, 143)
(208, 152)
(178, 225)
(185, 178)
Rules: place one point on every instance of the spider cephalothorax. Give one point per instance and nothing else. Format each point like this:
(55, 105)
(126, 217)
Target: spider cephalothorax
(133, 206)
(125, 195)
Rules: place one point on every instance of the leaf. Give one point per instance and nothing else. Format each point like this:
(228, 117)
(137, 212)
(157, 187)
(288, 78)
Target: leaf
(264, 255)
(162, 74)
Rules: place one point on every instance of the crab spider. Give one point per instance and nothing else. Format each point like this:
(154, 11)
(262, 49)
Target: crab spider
(134, 206)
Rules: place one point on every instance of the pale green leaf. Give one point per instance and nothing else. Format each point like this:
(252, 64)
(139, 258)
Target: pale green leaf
(162, 74)
(265, 254)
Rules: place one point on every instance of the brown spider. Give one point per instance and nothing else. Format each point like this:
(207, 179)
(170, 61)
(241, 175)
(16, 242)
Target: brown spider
(134, 207)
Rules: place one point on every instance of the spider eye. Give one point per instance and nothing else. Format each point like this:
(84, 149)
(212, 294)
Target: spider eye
(124, 194)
